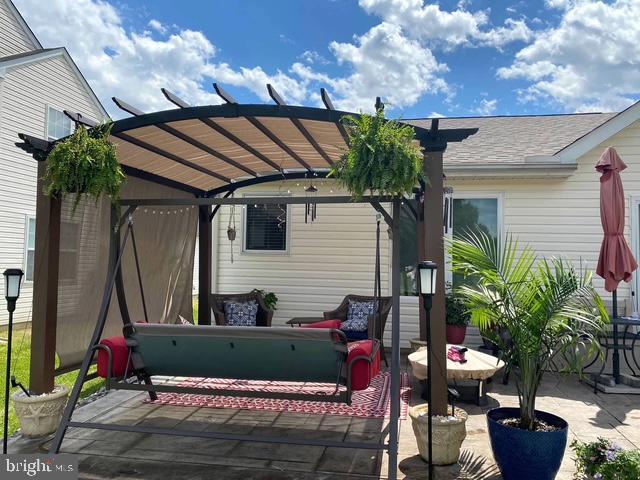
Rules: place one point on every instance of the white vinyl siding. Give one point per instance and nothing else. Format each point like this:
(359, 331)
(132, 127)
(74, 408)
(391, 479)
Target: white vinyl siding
(27, 91)
(13, 39)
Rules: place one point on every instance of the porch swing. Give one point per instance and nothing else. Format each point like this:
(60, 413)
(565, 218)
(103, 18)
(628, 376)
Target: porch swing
(147, 350)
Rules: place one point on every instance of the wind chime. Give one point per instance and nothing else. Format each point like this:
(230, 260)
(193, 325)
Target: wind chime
(311, 207)
(447, 214)
(231, 227)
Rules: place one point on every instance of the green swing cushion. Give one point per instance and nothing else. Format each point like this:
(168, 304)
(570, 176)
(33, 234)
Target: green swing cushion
(249, 353)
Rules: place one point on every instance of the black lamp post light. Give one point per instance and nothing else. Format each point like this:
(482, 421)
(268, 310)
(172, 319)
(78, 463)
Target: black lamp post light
(12, 283)
(428, 272)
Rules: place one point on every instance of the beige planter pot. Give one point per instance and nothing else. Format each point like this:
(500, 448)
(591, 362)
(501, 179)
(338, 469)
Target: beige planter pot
(40, 415)
(416, 344)
(448, 434)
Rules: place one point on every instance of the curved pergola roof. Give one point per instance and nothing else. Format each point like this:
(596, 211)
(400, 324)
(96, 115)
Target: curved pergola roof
(207, 150)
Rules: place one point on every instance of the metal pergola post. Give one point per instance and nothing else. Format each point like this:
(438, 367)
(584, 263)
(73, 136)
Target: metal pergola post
(204, 263)
(395, 342)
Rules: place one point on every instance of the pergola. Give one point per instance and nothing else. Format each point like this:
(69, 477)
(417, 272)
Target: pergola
(209, 152)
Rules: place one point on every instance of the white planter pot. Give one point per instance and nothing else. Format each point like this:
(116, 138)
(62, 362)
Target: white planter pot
(416, 344)
(448, 434)
(40, 415)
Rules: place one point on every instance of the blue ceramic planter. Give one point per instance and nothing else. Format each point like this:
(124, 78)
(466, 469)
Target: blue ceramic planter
(523, 455)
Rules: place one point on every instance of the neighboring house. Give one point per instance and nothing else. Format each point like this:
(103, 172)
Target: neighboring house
(530, 176)
(36, 85)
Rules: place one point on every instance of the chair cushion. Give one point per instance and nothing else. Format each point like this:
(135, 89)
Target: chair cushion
(358, 316)
(354, 336)
(324, 324)
(241, 314)
(362, 372)
(120, 354)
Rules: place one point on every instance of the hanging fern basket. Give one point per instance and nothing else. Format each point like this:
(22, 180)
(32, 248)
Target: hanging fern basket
(85, 163)
(383, 157)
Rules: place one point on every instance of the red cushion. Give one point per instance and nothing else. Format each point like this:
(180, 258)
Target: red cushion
(120, 354)
(324, 324)
(362, 372)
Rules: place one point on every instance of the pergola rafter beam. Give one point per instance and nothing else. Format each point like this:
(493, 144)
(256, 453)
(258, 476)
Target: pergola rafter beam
(329, 106)
(40, 148)
(260, 126)
(298, 124)
(152, 148)
(223, 94)
(173, 98)
(186, 138)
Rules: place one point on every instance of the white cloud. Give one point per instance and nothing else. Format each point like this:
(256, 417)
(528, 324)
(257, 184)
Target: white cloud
(430, 23)
(589, 62)
(385, 63)
(157, 26)
(134, 66)
(486, 107)
(312, 57)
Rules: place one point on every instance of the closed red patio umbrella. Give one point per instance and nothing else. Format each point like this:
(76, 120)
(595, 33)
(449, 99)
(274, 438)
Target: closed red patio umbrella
(616, 261)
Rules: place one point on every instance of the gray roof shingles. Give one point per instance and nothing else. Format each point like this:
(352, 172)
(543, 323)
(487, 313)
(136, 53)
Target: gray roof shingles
(510, 140)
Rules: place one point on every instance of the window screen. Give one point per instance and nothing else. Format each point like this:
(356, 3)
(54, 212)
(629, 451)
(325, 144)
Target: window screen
(266, 228)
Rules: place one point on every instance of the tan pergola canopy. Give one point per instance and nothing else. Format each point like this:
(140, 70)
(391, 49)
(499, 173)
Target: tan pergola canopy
(208, 150)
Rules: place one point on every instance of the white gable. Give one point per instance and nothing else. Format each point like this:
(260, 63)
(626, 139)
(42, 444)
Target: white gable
(15, 35)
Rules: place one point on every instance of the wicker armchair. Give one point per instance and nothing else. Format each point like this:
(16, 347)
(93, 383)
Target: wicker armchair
(263, 318)
(340, 313)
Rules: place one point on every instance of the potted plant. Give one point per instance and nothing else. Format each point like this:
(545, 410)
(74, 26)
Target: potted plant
(448, 433)
(383, 157)
(550, 314)
(40, 415)
(270, 299)
(84, 163)
(604, 460)
(457, 318)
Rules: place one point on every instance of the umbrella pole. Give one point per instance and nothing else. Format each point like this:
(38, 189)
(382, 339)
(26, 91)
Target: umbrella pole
(616, 354)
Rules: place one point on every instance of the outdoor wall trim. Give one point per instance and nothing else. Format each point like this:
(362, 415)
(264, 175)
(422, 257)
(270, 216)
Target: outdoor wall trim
(519, 170)
(598, 135)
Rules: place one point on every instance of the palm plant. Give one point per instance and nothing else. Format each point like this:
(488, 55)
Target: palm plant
(539, 312)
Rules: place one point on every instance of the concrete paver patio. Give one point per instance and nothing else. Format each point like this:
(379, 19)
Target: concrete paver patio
(110, 454)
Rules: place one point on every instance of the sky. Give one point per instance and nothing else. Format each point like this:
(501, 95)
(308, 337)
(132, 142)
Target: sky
(424, 59)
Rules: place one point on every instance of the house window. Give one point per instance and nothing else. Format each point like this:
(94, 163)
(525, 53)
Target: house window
(475, 215)
(29, 248)
(58, 124)
(265, 228)
(469, 214)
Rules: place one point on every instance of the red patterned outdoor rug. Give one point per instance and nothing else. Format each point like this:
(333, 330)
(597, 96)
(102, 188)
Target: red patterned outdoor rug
(370, 403)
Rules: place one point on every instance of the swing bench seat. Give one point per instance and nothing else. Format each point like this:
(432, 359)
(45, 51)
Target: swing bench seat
(245, 353)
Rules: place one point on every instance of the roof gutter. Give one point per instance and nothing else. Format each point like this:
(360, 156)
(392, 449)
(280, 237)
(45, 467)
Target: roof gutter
(526, 170)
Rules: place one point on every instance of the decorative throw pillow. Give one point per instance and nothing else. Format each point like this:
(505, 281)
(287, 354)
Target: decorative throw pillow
(241, 314)
(358, 316)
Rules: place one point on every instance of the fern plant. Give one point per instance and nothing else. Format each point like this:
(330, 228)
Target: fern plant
(382, 158)
(85, 163)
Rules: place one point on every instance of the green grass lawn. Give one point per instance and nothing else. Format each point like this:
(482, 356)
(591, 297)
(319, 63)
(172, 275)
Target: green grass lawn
(20, 368)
